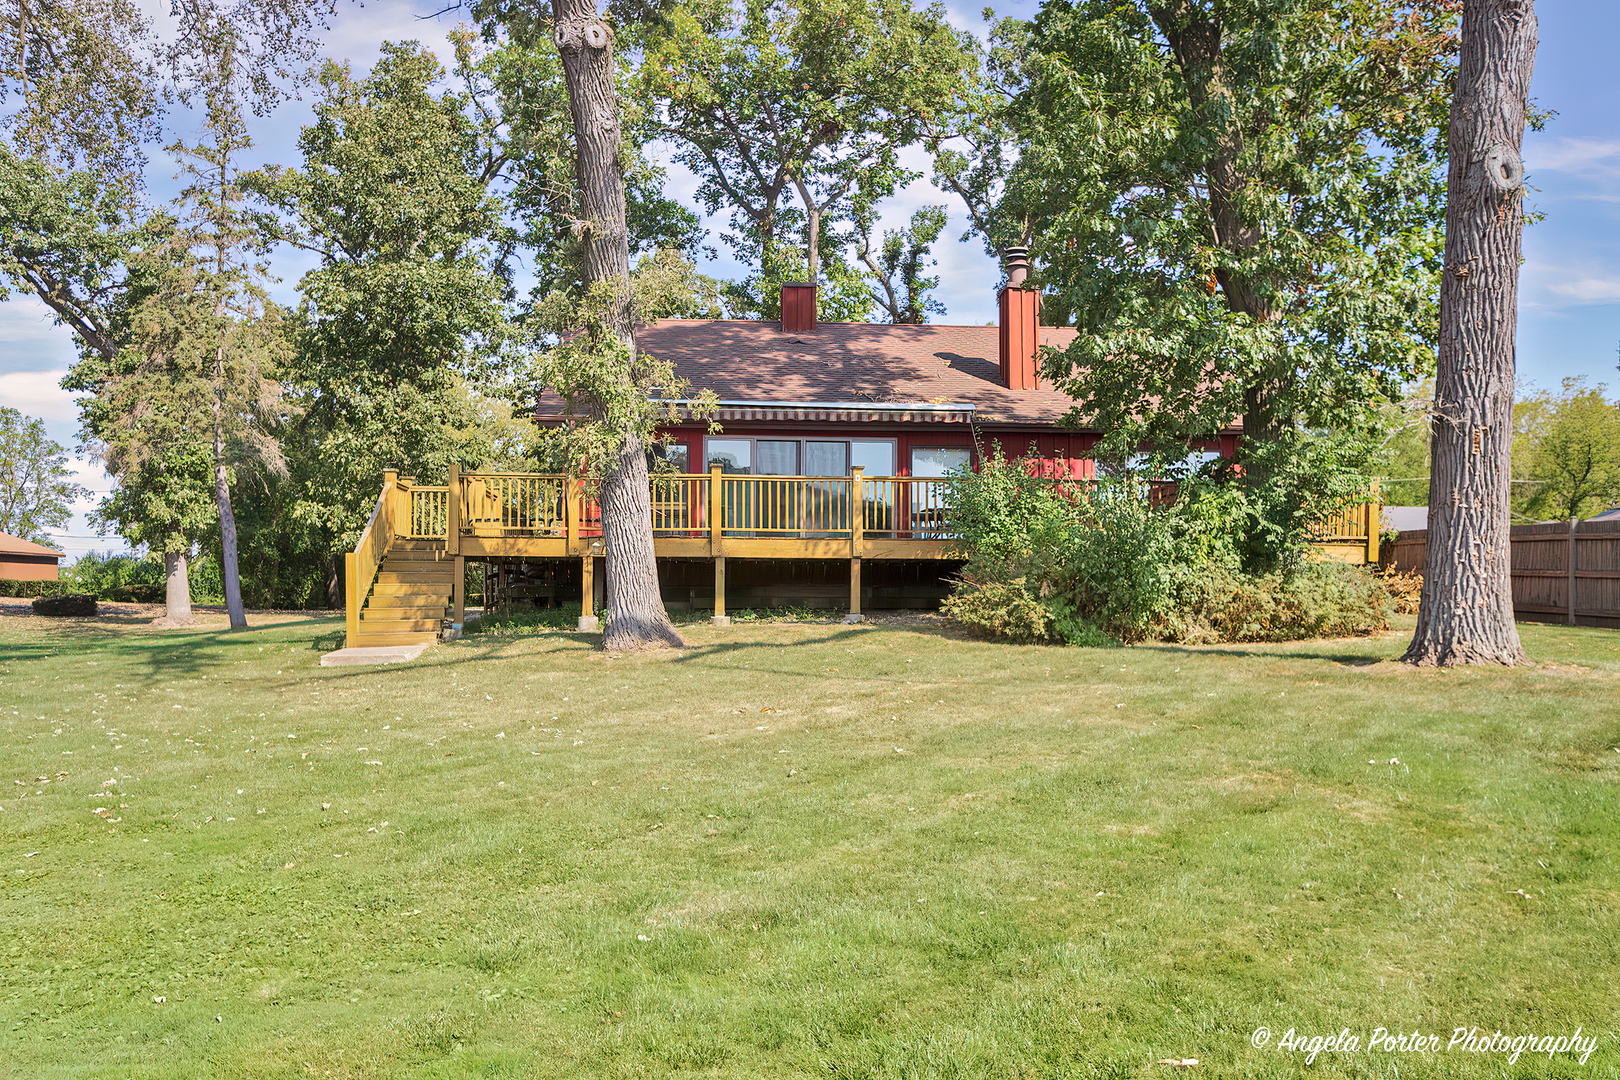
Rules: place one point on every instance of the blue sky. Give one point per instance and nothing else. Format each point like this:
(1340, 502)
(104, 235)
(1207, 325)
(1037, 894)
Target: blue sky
(1569, 313)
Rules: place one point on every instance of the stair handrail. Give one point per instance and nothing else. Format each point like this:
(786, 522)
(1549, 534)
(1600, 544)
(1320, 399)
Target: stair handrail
(361, 564)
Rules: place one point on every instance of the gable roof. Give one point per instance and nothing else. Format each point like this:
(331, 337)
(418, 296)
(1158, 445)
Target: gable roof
(16, 545)
(850, 364)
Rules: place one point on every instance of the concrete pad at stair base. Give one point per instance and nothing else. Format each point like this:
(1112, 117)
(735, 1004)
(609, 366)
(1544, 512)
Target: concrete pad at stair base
(373, 654)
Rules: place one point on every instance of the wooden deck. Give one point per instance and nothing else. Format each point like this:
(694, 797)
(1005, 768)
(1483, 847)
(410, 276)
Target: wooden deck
(407, 576)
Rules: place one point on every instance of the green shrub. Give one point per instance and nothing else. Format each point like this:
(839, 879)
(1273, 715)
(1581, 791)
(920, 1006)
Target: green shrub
(140, 593)
(69, 606)
(141, 578)
(1001, 609)
(27, 590)
(1317, 600)
(526, 620)
(1117, 560)
(1072, 628)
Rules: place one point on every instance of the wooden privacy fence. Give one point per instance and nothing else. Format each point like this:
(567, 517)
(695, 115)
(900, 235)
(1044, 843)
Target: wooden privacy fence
(1564, 571)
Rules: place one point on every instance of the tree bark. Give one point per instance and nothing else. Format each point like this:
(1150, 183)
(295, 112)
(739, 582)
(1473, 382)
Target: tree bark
(1466, 614)
(228, 569)
(636, 618)
(176, 591)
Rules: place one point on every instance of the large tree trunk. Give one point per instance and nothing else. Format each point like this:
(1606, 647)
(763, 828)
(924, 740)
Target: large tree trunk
(636, 615)
(228, 571)
(1466, 615)
(176, 591)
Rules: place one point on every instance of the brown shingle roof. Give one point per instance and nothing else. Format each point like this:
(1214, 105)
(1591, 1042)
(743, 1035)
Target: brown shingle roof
(851, 362)
(16, 545)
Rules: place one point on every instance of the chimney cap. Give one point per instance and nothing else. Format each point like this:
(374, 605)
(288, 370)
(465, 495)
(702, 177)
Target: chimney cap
(1015, 261)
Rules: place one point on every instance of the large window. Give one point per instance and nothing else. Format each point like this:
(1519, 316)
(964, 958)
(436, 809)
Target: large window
(776, 457)
(732, 455)
(875, 456)
(825, 458)
(670, 458)
(801, 457)
(931, 461)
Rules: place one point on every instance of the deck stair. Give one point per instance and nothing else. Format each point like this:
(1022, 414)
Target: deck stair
(413, 593)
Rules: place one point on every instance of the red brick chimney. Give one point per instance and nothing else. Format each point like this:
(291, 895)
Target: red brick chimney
(1020, 323)
(798, 306)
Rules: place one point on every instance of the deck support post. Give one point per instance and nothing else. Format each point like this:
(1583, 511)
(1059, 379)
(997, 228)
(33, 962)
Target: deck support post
(587, 594)
(854, 615)
(459, 591)
(720, 617)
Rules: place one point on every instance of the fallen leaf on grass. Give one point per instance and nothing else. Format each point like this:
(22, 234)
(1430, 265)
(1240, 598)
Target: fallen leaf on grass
(1180, 1063)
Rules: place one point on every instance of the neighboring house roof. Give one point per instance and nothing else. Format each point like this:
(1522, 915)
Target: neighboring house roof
(1607, 515)
(1406, 518)
(16, 545)
(851, 365)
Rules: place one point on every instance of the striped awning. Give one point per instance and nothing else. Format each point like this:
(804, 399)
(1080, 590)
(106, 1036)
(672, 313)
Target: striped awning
(845, 412)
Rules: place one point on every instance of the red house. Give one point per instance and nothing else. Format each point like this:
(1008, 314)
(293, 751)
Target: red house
(809, 399)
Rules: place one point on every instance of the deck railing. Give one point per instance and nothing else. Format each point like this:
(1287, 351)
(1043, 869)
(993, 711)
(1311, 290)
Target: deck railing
(716, 505)
(428, 516)
(810, 507)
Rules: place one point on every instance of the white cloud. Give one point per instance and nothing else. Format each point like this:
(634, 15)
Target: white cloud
(40, 393)
(1591, 290)
(1571, 154)
(29, 337)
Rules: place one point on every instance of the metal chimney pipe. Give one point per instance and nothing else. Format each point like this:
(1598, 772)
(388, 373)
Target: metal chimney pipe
(1015, 261)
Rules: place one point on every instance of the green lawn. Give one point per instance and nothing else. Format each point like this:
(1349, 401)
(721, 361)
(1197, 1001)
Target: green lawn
(796, 850)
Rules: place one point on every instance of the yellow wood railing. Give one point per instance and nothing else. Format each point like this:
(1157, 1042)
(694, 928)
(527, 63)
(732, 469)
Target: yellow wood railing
(427, 515)
(496, 504)
(543, 514)
(360, 565)
(1357, 525)
(683, 504)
